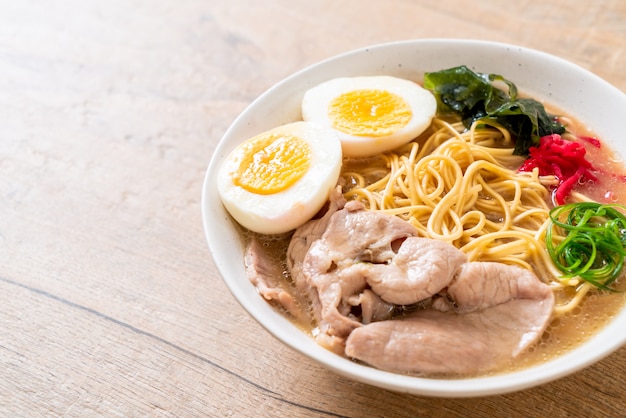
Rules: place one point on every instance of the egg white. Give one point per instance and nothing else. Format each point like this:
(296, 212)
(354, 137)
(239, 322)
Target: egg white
(423, 105)
(286, 210)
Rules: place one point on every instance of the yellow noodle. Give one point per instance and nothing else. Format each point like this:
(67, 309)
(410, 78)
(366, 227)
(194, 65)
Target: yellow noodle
(461, 186)
(575, 301)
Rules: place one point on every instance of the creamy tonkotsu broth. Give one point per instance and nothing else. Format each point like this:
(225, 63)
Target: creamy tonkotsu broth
(576, 318)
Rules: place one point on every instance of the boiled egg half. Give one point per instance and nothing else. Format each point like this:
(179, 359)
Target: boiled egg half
(371, 114)
(279, 179)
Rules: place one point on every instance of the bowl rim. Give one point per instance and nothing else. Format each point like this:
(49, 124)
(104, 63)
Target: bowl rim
(551, 370)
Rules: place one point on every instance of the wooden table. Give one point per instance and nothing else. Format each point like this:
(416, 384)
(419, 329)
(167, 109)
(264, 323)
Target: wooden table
(109, 113)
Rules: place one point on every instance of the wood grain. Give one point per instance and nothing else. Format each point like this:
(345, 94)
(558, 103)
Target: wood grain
(110, 303)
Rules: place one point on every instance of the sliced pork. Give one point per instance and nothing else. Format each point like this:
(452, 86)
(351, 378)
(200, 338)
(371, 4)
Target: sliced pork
(267, 276)
(421, 268)
(480, 285)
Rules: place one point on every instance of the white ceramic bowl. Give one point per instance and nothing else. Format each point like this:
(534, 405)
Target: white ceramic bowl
(570, 87)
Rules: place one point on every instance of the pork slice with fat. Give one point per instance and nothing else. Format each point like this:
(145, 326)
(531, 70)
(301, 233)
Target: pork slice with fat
(479, 285)
(267, 277)
(421, 268)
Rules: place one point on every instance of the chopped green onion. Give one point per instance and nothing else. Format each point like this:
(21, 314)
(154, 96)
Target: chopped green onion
(594, 244)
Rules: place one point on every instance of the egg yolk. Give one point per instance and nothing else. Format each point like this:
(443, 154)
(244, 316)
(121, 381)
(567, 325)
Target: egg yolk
(271, 163)
(369, 112)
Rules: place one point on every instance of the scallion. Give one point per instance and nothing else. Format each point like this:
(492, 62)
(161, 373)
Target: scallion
(594, 241)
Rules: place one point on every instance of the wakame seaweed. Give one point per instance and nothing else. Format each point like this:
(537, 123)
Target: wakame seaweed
(474, 97)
